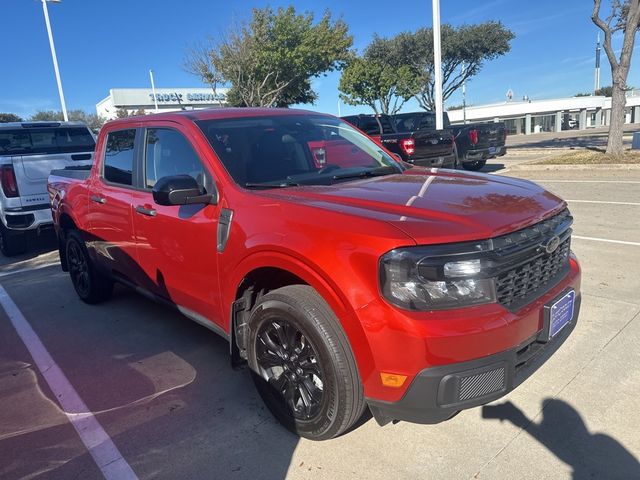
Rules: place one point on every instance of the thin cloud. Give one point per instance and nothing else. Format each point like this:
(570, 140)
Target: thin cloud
(471, 13)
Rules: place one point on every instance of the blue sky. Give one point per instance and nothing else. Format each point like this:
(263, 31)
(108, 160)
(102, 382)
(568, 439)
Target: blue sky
(113, 43)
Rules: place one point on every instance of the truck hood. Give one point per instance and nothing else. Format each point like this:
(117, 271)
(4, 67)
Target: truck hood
(435, 206)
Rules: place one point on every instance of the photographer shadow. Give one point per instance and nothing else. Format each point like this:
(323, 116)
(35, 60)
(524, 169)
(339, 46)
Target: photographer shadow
(563, 432)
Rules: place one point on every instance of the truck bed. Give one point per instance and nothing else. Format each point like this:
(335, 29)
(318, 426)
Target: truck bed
(80, 172)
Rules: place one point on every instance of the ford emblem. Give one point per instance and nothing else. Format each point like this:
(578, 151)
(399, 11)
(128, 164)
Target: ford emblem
(552, 244)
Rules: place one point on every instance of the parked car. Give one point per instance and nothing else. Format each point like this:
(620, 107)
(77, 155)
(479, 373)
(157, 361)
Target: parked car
(425, 148)
(475, 142)
(360, 281)
(28, 152)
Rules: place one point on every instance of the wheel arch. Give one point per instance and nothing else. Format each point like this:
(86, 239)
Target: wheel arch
(282, 270)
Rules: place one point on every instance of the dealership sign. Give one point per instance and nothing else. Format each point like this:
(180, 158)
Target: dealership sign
(145, 97)
(190, 97)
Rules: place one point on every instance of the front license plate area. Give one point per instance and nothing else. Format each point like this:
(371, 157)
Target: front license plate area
(561, 313)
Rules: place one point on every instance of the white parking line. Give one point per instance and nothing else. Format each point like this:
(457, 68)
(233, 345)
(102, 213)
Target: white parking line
(595, 239)
(603, 202)
(30, 269)
(581, 181)
(104, 452)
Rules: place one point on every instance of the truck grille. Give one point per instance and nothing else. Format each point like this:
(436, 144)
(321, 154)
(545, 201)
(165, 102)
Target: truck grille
(528, 270)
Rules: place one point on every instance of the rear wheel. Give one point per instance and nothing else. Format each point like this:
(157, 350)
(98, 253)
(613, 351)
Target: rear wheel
(302, 365)
(90, 285)
(12, 242)
(475, 165)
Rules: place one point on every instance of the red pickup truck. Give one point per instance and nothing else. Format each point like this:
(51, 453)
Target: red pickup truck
(352, 282)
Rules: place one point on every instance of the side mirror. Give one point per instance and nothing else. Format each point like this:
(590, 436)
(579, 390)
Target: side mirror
(180, 190)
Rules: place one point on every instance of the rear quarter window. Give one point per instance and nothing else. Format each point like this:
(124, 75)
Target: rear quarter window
(119, 157)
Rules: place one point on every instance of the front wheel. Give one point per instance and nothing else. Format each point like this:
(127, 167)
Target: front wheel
(90, 285)
(302, 365)
(475, 165)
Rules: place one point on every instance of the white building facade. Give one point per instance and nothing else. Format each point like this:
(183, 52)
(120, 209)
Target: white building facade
(159, 100)
(535, 116)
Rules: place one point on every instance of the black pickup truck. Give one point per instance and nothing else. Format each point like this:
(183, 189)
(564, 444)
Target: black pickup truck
(427, 148)
(474, 142)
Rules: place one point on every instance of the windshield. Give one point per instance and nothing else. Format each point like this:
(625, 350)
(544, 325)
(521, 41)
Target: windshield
(289, 150)
(39, 141)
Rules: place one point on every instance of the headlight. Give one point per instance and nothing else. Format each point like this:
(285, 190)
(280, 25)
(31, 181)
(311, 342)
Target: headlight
(439, 277)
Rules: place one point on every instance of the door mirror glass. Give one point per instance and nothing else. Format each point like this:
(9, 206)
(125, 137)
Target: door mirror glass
(180, 190)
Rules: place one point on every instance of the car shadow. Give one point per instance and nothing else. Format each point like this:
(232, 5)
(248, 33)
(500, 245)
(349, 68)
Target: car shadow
(492, 167)
(37, 245)
(563, 432)
(161, 386)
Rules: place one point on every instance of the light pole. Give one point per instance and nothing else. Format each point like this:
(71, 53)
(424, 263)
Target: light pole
(54, 57)
(153, 90)
(464, 95)
(437, 63)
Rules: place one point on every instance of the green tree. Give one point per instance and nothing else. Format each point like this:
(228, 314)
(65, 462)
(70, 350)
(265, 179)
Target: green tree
(383, 88)
(604, 91)
(582, 94)
(93, 121)
(9, 117)
(384, 78)
(46, 116)
(624, 16)
(468, 45)
(272, 60)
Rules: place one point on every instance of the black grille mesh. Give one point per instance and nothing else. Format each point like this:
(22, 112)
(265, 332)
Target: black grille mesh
(522, 283)
(481, 384)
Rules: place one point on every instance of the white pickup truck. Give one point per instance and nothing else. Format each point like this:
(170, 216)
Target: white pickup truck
(28, 152)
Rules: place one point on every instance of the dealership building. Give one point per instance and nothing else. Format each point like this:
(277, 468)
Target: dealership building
(159, 100)
(535, 116)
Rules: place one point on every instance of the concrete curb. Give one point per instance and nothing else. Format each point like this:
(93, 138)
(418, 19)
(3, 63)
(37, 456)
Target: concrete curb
(598, 166)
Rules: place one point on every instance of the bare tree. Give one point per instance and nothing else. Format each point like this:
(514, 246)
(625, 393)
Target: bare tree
(624, 16)
(199, 62)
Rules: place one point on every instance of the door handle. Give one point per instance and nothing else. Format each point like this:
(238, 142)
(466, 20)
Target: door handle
(150, 212)
(97, 199)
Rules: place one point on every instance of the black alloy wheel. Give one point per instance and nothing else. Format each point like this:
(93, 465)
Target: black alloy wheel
(78, 269)
(289, 363)
(302, 364)
(90, 285)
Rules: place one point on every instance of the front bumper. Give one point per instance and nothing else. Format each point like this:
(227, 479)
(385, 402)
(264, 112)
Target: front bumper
(438, 393)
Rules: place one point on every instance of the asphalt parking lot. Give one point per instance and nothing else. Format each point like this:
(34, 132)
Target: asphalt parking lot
(161, 389)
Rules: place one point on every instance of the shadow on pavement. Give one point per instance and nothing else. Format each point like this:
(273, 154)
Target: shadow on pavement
(492, 167)
(160, 385)
(36, 246)
(563, 432)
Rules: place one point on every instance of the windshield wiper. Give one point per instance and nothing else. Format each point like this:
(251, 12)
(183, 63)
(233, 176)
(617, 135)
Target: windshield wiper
(276, 184)
(376, 172)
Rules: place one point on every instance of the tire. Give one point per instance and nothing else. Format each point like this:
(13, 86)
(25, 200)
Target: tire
(475, 165)
(302, 365)
(12, 242)
(90, 285)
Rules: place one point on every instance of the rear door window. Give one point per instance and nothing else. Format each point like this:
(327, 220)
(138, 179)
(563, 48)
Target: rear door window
(49, 140)
(119, 157)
